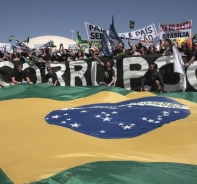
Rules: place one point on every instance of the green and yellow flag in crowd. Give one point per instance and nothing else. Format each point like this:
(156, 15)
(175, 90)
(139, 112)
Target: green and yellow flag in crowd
(10, 38)
(86, 135)
(131, 25)
(78, 38)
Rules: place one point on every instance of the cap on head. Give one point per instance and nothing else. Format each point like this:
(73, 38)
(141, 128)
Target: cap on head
(91, 49)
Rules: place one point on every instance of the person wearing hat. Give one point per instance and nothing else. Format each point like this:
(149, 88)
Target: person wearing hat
(109, 74)
(194, 57)
(90, 53)
(93, 50)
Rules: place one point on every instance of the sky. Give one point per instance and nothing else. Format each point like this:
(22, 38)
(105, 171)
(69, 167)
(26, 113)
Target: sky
(25, 18)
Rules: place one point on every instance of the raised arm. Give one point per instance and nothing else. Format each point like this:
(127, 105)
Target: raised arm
(99, 61)
(51, 52)
(129, 40)
(95, 48)
(61, 45)
(4, 49)
(81, 49)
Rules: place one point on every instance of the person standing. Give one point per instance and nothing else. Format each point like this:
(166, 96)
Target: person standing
(185, 52)
(194, 57)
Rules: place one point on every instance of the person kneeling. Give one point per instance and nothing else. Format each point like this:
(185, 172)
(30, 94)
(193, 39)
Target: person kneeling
(152, 80)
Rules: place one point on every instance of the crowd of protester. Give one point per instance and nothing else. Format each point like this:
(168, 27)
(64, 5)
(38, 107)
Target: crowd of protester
(63, 55)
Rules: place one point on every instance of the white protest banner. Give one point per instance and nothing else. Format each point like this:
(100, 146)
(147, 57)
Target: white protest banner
(146, 34)
(8, 46)
(94, 32)
(181, 32)
(73, 47)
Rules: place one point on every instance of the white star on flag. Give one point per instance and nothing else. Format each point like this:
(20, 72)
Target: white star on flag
(120, 124)
(157, 122)
(103, 112)
(106, 119)
(68, 119)
(159, 118)
(56, 116)
(66, 114)
(98, 116)
(63, 122)
(150, 120)
(132, 124)
(126, 127)
(144, 118)
(75, 125)
(102, 131)
(114, 112)
(107, 114)
(176, 112)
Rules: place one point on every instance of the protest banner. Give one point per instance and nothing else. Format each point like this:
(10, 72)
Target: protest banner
(2, 45)
(128, 70)
(145, 34)
(180, 32)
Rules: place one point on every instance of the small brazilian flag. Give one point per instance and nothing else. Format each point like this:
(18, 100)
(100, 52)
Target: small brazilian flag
(10, 38)
(132, 23)
(78, 39)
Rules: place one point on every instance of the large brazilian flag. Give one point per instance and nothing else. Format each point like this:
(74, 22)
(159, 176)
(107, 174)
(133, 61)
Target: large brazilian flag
(108, 135)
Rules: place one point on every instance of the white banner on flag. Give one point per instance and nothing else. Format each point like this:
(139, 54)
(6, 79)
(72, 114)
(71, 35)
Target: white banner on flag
(146, 34)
